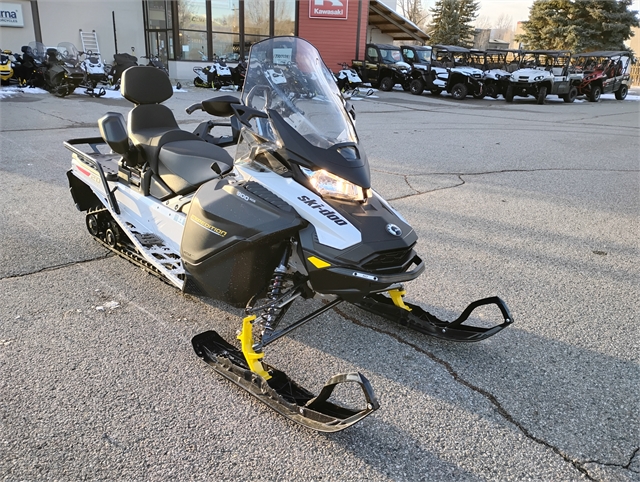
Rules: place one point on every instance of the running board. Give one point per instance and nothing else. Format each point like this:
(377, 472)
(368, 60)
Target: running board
(280, 392)
(420, 320)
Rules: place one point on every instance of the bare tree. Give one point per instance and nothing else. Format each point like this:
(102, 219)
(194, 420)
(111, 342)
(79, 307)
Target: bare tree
(503, 28)
(414, 11)
(483, 22)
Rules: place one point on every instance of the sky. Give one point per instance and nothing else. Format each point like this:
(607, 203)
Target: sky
(492, 9)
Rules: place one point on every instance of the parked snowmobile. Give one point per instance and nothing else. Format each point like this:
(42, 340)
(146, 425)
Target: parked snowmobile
(94, 74)
(6, 67)
(28, 68)
(63, 73)
(121, 62)
(215, 75)
(291, 218)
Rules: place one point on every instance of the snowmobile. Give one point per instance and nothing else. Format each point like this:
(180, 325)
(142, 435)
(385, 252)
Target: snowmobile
(94, 74)
(290, 217)
(349, 82)
(6, 67)
(63, 73)
(215, 75)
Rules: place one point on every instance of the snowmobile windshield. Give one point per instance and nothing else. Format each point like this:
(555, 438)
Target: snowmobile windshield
(37, 50)
(287, 75)
(68, 52)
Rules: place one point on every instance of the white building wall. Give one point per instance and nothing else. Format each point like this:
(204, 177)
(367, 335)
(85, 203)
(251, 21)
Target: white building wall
(61, 21)
(12, 38)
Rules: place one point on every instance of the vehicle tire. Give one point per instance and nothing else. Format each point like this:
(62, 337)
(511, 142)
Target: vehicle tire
(508, 94)
(406, 86)
(542, 95)
(621, 93)
(571, 95)
(491, 91)
(436, 91)
(479, 95)
(596, 92)
(216, 84)
(459, 91)
(386, 84)
(416, 87)
(375, 85)
(198, 82)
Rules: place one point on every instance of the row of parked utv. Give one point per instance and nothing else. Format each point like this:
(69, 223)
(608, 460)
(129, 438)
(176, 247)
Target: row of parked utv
(62, 69)
(465, 72)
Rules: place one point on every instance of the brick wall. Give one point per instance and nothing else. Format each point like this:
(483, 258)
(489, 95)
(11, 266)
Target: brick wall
(335, 39)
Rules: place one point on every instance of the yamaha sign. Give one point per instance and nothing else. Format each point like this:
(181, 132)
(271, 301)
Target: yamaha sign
(11, 15)
(335, 9)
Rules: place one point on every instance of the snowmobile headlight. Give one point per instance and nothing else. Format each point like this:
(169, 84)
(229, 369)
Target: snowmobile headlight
(330, 185)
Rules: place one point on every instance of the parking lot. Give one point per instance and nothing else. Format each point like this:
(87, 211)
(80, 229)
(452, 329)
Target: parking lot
(537, 204)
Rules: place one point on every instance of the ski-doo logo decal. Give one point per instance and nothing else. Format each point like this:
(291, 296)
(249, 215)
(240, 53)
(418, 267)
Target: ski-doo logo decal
(245, 197)
(322, 209)
(393, 229)
(207, 226)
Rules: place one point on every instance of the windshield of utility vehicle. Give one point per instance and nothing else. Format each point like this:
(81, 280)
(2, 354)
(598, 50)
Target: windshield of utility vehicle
(534, 60)
(424, 55)
(287, 75)
(390, 56)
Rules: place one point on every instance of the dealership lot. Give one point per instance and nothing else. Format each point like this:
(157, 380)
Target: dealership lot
(537, 204)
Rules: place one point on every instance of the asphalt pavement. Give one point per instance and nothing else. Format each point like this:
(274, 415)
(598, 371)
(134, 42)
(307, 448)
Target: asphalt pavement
(537, 204)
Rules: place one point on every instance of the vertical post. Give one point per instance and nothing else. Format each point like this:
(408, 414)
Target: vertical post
(35, 13)
(241, 27)
(209, 24)
(272, 19)
(357, 57)
(145, 19)
(175, 19)
(115, 37)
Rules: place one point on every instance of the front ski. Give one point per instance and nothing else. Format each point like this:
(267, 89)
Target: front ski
(280, 392)
(414, 317)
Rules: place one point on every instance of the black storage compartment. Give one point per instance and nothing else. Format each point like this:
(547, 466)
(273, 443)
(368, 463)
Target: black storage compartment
(234, 238)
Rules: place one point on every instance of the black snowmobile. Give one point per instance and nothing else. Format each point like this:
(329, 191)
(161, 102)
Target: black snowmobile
(290, 217)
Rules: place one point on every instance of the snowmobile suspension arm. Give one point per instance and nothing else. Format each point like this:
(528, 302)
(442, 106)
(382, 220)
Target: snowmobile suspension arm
(270, 337)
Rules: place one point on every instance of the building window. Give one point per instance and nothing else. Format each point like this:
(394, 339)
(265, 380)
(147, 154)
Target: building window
(158, 24)
(208, 28)
(284, 17)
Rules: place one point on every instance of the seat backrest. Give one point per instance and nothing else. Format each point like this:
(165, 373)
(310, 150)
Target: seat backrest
(145, 85)
(150, 124)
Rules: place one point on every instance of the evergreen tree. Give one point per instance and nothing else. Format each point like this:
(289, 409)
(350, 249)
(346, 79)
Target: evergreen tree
(579, 25)
(452, 22)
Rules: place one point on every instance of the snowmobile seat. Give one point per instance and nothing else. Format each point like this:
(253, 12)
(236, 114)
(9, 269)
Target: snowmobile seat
(181, 159)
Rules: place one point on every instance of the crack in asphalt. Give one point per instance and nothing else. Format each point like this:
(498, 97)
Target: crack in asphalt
(58, 266)
(626, 466)
(481, 391)
(462, 181)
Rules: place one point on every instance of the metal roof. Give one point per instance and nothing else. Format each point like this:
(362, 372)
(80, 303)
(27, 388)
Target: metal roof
(604, 53)
(393, 24)
(452, 48)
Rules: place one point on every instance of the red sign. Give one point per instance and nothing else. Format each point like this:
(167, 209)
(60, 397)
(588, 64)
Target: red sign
(336, 9)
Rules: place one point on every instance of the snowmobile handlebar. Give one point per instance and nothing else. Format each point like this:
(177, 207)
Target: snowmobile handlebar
(194, 107)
